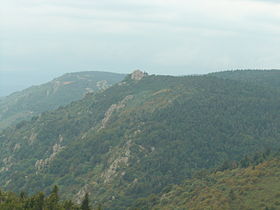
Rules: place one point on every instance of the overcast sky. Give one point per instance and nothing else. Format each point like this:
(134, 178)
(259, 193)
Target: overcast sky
(51, 37)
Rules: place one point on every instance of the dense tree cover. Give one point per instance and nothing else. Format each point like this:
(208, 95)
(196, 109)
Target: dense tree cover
(39, 201)
(165, 130)
(259, 77)
(61, 91)
(255, 186)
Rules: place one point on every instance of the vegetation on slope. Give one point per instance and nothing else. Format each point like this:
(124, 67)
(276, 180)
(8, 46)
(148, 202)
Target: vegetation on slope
(268, 78)
(59, 92)
(38, 201)
(255, 186)
(137, 137)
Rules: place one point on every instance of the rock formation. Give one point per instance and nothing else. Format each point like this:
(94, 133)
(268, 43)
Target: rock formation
(138, 75)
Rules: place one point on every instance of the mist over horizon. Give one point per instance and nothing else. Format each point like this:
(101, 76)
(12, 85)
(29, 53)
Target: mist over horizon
(11, 82)
(50, 38)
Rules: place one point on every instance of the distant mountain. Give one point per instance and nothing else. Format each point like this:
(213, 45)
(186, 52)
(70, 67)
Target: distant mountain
(59, 92)
(139, 136)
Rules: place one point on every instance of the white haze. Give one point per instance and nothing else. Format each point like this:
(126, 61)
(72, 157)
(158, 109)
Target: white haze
(45, 38)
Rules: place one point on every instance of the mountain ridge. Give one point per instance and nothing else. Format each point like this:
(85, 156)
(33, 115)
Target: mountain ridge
(60, 91)
(139, 136)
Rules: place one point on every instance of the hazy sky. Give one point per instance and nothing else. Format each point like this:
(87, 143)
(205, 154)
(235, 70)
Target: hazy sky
(51, 37)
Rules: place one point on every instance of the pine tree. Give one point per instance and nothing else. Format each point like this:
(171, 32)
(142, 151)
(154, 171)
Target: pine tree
(23, 195)
(99, 207)
(39, 201)
(52, 200)
(85, 203)
(54, 194)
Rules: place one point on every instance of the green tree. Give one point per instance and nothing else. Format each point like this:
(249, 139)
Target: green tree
(69, 205)
(99, 207)
(52, 200)
(85, 203)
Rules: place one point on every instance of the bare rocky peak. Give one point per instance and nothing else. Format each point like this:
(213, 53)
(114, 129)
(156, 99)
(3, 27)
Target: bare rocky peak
(138, 75)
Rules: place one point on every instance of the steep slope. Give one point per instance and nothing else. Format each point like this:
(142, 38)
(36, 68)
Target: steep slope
(254, 187)
(59, 92)
(139, 136)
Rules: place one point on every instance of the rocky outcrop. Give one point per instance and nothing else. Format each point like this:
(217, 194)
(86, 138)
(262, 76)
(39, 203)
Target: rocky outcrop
(138, 75)
(116, 162)
(81, 194)
(102, 85)
(41, 164)
(8, 162)
(112, 109)
(32, 137)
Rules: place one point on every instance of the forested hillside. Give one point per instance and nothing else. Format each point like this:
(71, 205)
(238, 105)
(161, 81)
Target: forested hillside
(258, 77)
(139, 136)
(254, 185)
(40, 201)
(70, 87)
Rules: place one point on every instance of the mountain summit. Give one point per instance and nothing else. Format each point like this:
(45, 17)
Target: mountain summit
(138, 75)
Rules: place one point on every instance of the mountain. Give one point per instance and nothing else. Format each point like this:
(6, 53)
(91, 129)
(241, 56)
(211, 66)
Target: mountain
(59, 92)
(253, 187)
(268, 78)
(139, 136)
